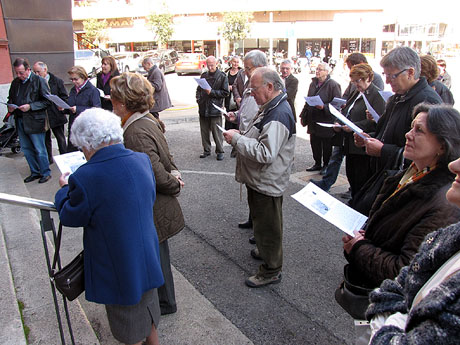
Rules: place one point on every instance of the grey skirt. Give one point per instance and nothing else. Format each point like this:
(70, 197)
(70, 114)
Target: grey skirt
(131, 324)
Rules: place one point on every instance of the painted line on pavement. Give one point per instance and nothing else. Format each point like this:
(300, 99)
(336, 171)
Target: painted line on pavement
(207, 172)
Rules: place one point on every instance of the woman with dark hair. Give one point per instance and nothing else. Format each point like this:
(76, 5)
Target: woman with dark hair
(430, 71)
(132, 97)
(422, 305)
(109, 70)
(83, 95)
(410, 204)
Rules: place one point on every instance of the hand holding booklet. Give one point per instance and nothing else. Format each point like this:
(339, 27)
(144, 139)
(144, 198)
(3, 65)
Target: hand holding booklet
(70, 162)
(330, 209)
(313, 101)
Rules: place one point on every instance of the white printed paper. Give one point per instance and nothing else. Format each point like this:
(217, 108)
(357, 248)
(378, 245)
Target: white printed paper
(329, 125)
(222, 110)
(203, 83)
(371, 110)
(313, 101)
(70, 162)
(338, 102)
(101, 93)
(56, 100)
(347, 122)
(221, 128)
(330, 209)
(386, 94)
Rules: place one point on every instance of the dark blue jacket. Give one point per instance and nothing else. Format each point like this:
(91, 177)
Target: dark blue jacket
(88, 97)
(112, 197)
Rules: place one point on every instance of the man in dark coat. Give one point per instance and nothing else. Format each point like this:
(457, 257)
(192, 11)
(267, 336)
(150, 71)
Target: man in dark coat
(291, 83)
(157, 79)
(56, 118)
(27, 93)
(210, 116)
(410, 89)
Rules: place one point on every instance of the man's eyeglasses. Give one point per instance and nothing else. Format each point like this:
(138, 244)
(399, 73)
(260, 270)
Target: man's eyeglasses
(74, 79)
(394, 76)
(254, 89)
(355, 81)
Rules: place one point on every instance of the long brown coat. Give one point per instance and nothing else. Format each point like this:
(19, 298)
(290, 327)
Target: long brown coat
(143, 135)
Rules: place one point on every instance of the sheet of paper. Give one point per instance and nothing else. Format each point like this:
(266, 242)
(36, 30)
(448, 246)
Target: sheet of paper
(221, 128)
(347, 122)
(330, 125)
(70, 162)
(386, 94)
(330, 209)
(203, 83)
(222, 110)
(374, 114)
(56, 100)
(10, 105)
(313, 101)
(338, 102)
(101, 93)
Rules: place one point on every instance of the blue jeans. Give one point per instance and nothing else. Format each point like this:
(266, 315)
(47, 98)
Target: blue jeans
(333, 168)
(34, 148)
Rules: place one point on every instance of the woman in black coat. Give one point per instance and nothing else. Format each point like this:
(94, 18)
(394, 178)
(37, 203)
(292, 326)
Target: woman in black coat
(109, 70)
(410, 204)
(320, 137)
(357, 162)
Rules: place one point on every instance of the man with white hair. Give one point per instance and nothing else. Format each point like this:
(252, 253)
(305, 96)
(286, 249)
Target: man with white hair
(264, 160)
(291, 84)
(57, 118)
(210, 116)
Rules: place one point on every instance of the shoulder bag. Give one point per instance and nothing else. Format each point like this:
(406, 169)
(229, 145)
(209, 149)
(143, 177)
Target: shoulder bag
(69, 280)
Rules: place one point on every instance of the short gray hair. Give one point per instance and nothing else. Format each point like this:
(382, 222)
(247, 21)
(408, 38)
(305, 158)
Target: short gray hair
(147, 59)
(41, 64)
(96, 127)
(271, 76)
(402, 58)
(257, 57)
(325, 66)
(286, 62)
(443, 122)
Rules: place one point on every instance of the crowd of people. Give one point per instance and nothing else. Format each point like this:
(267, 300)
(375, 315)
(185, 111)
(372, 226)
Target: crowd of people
(399, 264)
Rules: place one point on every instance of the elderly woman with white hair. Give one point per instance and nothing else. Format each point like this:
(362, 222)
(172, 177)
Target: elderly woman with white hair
(112, 197)
(320, 137)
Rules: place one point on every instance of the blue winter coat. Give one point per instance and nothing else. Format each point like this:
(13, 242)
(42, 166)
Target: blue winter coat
(112, 197)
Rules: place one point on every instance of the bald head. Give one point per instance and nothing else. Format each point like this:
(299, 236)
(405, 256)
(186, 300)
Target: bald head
(211, 63)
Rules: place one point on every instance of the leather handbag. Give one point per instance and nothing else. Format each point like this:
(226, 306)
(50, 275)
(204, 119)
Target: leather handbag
(354, 299)
(69, 280)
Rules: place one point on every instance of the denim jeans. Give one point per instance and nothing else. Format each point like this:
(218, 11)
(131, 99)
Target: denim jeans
(333, 168)
(34, 148)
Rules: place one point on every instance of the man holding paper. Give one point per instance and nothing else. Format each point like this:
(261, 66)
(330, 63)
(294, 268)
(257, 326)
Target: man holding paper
(264, 160)
(210, 116)
(28, 92)
(57, 118)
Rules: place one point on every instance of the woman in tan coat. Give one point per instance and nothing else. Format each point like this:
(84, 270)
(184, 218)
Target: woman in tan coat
(132, 97)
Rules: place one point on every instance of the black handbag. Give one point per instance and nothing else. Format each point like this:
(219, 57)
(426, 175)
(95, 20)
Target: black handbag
(354, 299)
(365, 197)
(69, 280)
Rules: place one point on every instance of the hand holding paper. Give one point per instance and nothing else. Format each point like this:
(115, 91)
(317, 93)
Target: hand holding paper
(203, 83)
(371, 110)
(347, 122)
(314, 101)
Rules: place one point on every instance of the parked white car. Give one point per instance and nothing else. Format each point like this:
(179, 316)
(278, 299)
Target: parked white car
(90, 60)
(127, 61)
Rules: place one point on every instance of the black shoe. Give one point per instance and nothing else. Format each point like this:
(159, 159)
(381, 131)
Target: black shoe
(255, 254)
(45, 179)
(168, 310)
(252, 240)
(31, 178)
(315, 167)
(220, 157)
(245, 225)
(323, 170)
(204, 154)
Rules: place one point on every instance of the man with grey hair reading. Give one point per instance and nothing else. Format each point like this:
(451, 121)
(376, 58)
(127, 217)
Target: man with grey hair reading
(264, 160)
(157, 79)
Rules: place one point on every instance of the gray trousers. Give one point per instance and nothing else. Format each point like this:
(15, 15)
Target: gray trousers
(207, 126)
(166, 293)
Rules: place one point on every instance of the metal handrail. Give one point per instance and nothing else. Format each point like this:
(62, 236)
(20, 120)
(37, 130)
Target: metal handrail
(27, 202)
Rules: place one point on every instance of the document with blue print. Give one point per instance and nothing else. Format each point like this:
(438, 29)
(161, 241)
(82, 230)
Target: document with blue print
(330, 209)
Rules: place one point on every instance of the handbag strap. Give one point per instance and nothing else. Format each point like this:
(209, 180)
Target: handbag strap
(57, 247)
